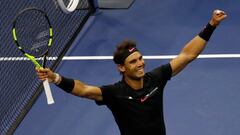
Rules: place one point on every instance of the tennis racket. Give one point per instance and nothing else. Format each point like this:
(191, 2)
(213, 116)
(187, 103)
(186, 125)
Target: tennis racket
(32, 33)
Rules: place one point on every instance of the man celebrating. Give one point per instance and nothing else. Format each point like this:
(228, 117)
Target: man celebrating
(136, 101)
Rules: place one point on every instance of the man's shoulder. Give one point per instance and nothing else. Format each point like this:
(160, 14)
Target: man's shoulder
(160, 72)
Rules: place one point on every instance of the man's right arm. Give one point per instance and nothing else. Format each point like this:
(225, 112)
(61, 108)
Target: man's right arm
(78, 88)
(87, 91)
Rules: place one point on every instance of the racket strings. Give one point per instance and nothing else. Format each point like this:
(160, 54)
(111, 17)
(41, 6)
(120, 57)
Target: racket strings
(32, 30)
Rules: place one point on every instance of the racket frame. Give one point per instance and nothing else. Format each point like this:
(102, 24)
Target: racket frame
(14, 33)
(31, 57)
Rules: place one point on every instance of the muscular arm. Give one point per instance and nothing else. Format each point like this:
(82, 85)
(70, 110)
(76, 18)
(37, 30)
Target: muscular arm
(194, 47)
(190, 52)
(80, 89)
(87, 91)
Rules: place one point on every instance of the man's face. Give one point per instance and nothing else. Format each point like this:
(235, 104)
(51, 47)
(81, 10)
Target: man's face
(134, 66)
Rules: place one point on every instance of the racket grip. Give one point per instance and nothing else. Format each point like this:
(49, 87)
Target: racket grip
(48, 92)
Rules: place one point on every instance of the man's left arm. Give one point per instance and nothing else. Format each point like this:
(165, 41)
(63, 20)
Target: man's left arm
(194, 47)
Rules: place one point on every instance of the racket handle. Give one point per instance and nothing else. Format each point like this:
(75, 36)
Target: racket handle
(48, 92)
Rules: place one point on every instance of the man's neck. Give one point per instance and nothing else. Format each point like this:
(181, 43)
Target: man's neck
(135, 84)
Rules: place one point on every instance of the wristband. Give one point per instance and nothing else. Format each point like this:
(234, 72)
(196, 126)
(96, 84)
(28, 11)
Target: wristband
(57, 78)
(207, 32)
(66, 84)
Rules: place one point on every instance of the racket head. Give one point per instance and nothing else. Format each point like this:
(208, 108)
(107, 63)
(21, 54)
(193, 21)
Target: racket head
(32, 32)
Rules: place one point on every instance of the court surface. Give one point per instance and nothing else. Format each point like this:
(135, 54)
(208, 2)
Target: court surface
(202, 100)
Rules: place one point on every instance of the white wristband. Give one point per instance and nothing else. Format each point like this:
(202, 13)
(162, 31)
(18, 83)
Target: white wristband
(57, 78)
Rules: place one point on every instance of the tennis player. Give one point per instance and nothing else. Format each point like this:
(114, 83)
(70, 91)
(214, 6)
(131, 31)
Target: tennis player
(136, 101)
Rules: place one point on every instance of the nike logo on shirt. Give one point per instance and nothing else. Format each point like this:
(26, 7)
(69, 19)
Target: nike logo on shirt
(148, 95)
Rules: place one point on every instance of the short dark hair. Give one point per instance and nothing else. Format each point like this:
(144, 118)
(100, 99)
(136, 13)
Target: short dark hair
(123, 50)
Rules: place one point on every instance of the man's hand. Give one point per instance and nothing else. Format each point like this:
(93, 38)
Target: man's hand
(45, 73)
(217, 17)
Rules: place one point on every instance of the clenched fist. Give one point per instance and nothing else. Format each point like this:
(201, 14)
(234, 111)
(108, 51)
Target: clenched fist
(217, 17)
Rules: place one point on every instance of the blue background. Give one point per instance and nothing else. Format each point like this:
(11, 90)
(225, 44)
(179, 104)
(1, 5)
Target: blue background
(202, 100)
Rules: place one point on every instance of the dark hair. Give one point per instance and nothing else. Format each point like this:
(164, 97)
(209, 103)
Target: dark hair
(123, 50)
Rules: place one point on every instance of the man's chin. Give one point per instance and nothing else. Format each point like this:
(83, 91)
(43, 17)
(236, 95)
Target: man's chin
(140, 75)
